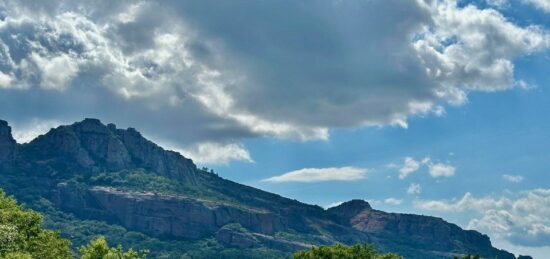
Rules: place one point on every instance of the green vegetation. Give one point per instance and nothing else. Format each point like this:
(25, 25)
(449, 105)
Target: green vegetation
(139, 180)
(360, 251)
(99, 249)
(22, 236)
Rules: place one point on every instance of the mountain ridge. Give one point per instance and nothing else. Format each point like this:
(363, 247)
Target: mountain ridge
(96, 172)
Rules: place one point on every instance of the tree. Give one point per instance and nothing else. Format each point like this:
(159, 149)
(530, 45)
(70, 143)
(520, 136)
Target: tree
(99, 249)
(22, 235)
(359, 251)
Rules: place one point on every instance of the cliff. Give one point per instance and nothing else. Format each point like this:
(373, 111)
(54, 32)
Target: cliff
(428, 233)
(7, 143)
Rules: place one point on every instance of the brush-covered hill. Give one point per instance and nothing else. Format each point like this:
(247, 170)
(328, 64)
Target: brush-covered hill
(92, 179)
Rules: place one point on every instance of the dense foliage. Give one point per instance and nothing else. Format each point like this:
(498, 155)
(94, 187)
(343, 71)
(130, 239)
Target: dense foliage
(99, 249)
(359, 251)
(22, 235)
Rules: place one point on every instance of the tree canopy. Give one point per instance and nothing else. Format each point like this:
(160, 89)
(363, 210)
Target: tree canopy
(99, 249)
(22, 235)
(359, 251)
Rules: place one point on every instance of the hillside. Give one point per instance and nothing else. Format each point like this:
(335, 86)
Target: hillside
(90, 178)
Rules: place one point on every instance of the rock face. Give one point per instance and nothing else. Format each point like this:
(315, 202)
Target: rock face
(7, 143)
(428, 233)
(162, 215)
(349, 209)
(92, 146)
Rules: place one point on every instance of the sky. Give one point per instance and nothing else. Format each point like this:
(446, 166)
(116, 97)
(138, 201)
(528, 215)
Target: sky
(434, 107)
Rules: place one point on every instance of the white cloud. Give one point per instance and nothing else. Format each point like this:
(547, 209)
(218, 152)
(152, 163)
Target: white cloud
(308, 175)
(409, 166)
(57, 71)
(334, 204)
(497, 3)
(521, 219)
(441, 170)
(215, 153)
(461, 48)
(414, 188)
(393, 201)
(27, 132)
(541, 4)
(512, 178)
(5, 80)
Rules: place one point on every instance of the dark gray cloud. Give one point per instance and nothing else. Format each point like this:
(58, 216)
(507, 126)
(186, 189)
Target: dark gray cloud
(196, 72)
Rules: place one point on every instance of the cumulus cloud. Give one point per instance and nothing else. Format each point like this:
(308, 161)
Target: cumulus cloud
(497, 3)
(441, 170)
(512, 178)
(414, 188)
(393, 201)
(521, 219)
(409, 166)
(26, 132)
(436, 169)
(334, 204)
(215, 153)
(308, 175)
(293, 74)
(541, 4)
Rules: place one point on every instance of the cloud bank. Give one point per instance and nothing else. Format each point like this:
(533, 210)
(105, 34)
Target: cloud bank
(521, 219)
(283, 69)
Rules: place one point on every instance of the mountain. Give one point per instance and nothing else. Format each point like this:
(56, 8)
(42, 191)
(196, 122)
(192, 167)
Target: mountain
(89, 179)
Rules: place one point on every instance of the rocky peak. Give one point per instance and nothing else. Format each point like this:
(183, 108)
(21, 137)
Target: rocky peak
(93, 126)
(98, 147)
(345, 211)
(7, 143)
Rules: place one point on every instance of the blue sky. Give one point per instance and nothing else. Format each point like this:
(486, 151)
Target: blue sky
(435, 107)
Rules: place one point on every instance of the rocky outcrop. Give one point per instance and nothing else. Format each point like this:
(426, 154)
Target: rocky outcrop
(7, 143)
(91, 146)
(161, 215)
(349, 209)
(235, 236)
(427, 233)
(148, 155)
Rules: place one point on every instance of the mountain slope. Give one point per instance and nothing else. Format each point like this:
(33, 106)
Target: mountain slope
(90, 172)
